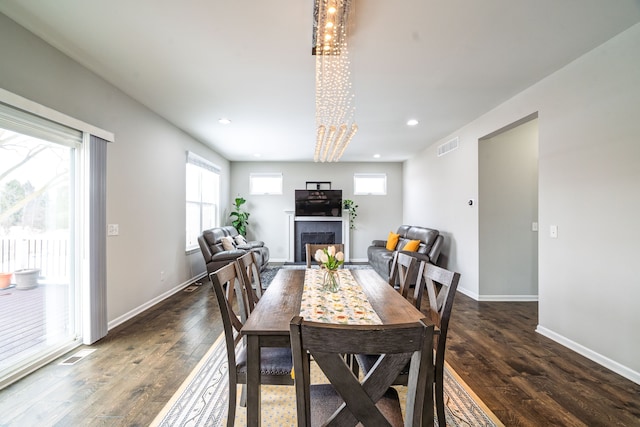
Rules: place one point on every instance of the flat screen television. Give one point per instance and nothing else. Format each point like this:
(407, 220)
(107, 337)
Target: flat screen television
(318, 202)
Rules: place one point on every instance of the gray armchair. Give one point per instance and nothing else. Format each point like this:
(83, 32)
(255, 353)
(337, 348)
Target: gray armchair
(216, 256)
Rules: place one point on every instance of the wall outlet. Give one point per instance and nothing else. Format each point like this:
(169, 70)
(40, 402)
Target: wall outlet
(112, 230)
(162, 276)
(534, 226)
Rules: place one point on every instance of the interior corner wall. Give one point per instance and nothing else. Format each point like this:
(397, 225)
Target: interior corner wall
(145, 170)
(588, 187)
(377, 215)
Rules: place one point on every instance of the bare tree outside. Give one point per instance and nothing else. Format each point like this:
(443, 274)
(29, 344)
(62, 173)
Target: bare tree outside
(34, 197)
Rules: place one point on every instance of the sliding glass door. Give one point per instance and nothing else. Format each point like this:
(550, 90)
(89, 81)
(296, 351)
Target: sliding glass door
(37, 249)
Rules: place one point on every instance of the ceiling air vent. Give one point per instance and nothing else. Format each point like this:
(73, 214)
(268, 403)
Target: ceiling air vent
(448, 147)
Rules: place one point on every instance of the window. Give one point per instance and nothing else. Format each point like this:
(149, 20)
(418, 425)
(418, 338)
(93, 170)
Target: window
(265, 183)
(202, 198)
(370, 184)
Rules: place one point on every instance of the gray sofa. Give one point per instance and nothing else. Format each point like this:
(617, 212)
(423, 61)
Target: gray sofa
(215, 256)
(429, 250)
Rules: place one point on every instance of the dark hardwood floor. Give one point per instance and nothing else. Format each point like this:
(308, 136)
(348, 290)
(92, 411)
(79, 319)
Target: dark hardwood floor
(526, 379)
(129, 378)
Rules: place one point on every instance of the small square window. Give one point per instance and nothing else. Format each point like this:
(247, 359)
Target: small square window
(370, 184)
(265, 183)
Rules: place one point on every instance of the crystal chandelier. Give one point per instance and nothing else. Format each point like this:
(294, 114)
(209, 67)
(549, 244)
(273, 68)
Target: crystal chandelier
(334, 101)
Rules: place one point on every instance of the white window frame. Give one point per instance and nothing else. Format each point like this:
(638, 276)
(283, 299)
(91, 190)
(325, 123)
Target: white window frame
(204, 167)
(258, 182)
(360, 178)
(88, 310)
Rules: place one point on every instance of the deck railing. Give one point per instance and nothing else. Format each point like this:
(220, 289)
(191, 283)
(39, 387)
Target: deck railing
(50, 255)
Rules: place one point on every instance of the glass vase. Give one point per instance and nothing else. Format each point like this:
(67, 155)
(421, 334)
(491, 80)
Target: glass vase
(331, 280)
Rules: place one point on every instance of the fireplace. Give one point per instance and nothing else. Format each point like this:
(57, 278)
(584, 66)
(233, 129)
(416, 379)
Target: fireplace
(296, 225)
(316, 237)
(315, 231)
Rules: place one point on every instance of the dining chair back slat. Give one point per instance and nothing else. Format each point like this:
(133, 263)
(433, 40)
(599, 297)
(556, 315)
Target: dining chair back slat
(231, 292)
(348, 399)
(402, 270)
(250, 273)
(441, 286)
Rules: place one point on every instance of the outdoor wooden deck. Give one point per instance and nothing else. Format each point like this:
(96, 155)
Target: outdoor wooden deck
(30, 319)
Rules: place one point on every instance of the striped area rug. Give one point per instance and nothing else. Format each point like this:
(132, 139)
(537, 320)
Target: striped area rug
(202, 399)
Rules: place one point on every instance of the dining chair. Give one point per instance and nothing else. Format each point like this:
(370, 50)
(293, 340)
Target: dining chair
(403, 270)
(275, 363)
(311, 249)
(347, 400)
(250, 272)
(441, 286)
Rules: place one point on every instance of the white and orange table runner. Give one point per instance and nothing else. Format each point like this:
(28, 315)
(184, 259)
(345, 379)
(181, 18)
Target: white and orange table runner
(349, 305)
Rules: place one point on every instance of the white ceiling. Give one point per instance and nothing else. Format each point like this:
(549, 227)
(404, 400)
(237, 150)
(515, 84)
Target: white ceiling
(441, 62)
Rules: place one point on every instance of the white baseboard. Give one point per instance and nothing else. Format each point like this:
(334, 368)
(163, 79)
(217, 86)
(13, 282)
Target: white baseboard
(616, 367)
(508, 298)
(468, 293)
(498, 298)
(131, 314)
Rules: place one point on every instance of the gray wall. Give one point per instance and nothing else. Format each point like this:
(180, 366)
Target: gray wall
(589, 178)
(508, 195)
(145, 176)
(377, 215)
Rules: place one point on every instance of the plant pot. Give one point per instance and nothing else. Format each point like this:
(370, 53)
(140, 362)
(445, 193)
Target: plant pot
(27, 278)
(5, 280)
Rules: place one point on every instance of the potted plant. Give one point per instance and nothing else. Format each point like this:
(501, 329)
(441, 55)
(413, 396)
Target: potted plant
(351, 207)
(27, 278)
(5, 280)
(241, 217)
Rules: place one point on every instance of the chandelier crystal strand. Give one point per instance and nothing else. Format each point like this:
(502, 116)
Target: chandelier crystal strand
(319, 141)
(338, 143)
(334, 100)
(327, 144)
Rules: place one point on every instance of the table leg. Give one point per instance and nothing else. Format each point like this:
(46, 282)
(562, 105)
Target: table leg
(253, 381)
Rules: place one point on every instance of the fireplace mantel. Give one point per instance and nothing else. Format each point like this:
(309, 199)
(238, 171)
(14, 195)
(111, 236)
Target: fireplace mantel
(291, 221)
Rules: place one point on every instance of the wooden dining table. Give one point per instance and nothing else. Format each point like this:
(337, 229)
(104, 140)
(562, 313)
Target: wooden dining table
(268, 324)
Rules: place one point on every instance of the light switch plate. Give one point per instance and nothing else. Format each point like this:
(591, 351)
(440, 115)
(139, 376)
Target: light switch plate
(553, 231)
(112, 230)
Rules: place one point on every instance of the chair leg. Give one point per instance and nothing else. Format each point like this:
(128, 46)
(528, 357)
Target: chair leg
(442, 420)
(243, 395)
(231, 413)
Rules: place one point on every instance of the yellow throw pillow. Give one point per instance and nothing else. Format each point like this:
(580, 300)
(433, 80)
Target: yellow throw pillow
(412, 245)
(392, 241)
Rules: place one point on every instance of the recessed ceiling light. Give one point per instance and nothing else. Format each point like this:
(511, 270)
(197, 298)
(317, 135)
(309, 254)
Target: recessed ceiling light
(224, 121)
(412, 122)
(376, 156)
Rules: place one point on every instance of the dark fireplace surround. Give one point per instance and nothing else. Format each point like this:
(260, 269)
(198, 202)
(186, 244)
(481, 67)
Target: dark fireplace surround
(315, 232)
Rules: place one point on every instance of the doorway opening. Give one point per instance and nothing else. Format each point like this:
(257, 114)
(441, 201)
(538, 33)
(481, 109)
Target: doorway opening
(508, 212)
